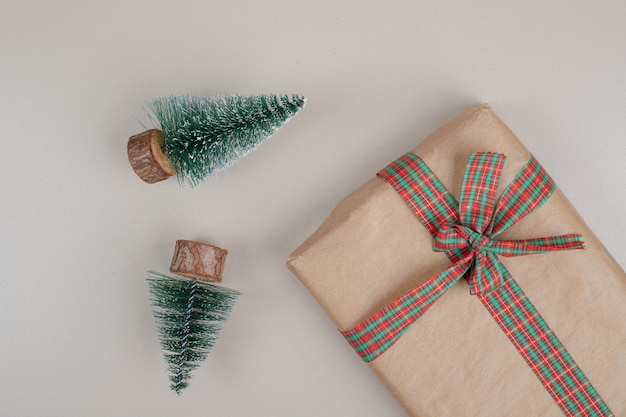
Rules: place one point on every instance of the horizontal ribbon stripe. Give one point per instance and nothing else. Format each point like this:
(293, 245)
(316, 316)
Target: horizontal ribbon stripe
(375, 335)
(465, 233)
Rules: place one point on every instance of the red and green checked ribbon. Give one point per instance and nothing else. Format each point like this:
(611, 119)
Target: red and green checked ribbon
(466, 233)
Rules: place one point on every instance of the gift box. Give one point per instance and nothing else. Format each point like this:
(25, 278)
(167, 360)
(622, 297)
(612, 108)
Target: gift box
(469, 284)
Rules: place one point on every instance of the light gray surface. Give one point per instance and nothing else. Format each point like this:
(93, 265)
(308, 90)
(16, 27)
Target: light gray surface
(78, 229)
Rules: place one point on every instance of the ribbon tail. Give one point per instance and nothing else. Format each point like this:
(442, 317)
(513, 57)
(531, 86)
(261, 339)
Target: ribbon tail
(375, 335)
(538, 245)
(545, 354)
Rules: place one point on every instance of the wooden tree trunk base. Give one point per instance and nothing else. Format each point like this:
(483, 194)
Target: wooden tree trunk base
(197, 260)
(146, 157)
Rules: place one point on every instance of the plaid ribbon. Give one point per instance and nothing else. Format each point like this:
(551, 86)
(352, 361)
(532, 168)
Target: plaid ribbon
(466, 232)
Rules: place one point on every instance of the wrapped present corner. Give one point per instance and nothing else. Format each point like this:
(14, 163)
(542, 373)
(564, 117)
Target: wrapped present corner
(463, 276)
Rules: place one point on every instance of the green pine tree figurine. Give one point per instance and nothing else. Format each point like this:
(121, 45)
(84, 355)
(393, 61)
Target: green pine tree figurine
(190, 316)
(201, 136)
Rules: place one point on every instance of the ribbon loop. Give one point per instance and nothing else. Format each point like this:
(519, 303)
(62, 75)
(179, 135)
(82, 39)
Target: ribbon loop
(478, 191)
(422, 191)
(529, 190)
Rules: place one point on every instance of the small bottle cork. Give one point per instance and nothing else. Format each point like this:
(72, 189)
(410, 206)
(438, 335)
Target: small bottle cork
(197, 260)
(146, 157)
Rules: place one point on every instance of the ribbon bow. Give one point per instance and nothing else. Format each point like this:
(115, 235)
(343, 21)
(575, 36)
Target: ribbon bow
(472, 232)
(466, 232)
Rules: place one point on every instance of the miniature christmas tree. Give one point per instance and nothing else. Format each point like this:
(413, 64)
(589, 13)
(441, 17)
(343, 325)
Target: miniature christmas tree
(190, 311)
(201, 136)
(190, 315)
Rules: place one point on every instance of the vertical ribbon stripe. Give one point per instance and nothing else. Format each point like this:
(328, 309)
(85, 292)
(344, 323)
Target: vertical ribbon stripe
(544, 353)
(465, 232)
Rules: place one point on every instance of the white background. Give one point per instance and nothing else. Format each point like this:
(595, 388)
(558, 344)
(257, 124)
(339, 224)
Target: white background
(78, 229)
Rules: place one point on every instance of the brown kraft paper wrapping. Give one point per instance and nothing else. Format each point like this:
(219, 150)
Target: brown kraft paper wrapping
(455, 360)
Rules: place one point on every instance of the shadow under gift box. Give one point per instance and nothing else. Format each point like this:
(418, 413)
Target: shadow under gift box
(455, 360)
